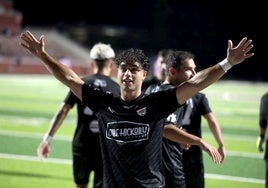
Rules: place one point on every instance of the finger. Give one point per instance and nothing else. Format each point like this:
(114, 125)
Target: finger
(24, 45)
(218, 157)
(246, 50)
(222, 158)
(30, 35)
(230, 44)
(213, 155)
(24, 37)
(247, 43)
(242, 42)
(42, 40)
(39, 154)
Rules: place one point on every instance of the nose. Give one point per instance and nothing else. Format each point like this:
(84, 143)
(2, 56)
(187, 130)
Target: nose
(128, 71)
(193, 72)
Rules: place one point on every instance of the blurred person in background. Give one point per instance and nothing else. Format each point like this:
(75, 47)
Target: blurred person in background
(85, 144)
(159, 70)
(261, 140)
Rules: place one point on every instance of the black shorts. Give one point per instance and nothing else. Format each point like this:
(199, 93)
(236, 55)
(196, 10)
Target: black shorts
(83, 165)
(194, 175)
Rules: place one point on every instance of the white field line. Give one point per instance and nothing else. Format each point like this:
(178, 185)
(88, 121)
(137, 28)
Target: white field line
(35, 158)
(234, 178)
(245, 154)
(232, 136)
(69, 162)
(33, 135)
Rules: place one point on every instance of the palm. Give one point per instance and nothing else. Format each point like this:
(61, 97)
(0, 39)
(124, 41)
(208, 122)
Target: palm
(239, 53)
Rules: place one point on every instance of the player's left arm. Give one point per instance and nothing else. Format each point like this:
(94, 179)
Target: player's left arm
(175, 134)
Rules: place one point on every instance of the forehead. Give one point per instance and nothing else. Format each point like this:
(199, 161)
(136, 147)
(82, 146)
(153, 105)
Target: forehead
(189, 63)
(130, 64)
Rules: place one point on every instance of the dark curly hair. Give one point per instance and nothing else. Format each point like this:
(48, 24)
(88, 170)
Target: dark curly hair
(133, 55)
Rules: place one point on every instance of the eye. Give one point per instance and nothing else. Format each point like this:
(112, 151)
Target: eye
(134, 69)
(123, 69)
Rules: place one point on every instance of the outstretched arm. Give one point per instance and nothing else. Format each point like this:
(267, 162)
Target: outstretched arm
(175, 134)
(64, 74)
(204, 78)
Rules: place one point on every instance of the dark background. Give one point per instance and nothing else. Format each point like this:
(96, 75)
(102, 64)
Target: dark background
(202, 27)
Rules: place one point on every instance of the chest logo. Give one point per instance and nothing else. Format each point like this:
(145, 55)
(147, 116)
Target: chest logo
(142, 112)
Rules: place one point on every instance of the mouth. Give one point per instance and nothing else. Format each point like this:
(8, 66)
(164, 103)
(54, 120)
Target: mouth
(126, 81)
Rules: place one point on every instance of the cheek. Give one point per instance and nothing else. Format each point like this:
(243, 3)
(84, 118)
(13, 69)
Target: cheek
(144, 74)
(119, 75)
(188, 74)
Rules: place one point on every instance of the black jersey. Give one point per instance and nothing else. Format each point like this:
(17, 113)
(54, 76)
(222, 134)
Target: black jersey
(264, 110)
(86, 138)
(131, 136)
(195, 107)
(172, 151)
(263, 119)
(150, 82)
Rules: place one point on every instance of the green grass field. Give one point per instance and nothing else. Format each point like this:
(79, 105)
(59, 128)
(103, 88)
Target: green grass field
(28, 102)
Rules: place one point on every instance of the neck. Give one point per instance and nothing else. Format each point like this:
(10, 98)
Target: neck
(105, 72)
(129, 95)
(167, 81)
(173, 82)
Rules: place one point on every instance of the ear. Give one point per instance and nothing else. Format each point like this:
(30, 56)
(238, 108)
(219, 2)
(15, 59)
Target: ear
(111, 64)
(144, 74)
(171, 71)
(92, 65)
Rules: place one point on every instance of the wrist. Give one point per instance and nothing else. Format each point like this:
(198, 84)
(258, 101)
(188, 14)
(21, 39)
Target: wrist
(225, 65)
(47, 138)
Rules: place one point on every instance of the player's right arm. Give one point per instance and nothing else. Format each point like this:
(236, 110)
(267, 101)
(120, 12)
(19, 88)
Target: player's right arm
(63, 73)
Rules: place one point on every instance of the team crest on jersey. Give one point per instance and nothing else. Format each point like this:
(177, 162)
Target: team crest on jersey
(142, 112)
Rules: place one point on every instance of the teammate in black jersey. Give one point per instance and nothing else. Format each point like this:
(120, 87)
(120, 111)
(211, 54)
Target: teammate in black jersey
(176, 71)
(263, 121)
(179, 71)
(130, 127)
(86, 147)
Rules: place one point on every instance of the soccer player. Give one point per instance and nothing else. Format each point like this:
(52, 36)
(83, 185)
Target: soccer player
(130, 127)
(178, 71)
(197, 106)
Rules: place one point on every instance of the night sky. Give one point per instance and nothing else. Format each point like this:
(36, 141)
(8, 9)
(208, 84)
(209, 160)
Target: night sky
(202, 27)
